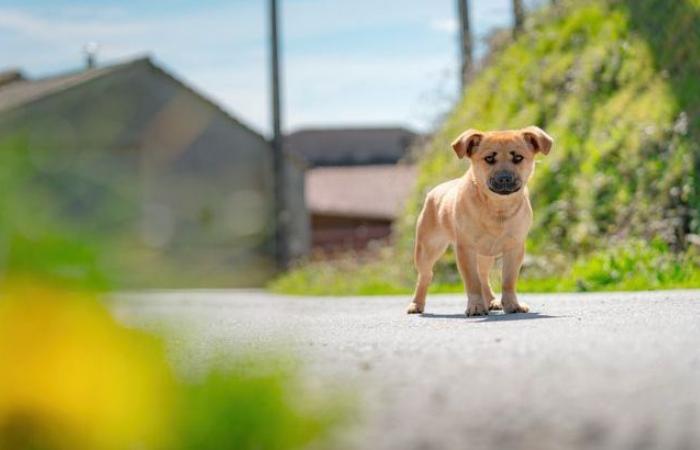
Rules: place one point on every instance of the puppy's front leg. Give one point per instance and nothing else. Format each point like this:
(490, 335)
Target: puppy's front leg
(512, 260)
(468, 269)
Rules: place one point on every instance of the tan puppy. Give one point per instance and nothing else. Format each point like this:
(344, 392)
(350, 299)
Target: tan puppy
(484, 214)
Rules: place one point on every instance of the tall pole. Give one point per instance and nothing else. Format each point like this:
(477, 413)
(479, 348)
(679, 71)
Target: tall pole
(465, 43)
(281, 214)
(518, 17)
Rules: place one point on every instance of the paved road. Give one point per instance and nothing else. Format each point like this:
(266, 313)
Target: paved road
(599, 371)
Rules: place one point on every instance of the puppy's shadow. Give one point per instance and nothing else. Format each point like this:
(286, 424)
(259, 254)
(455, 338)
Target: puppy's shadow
(493, 317)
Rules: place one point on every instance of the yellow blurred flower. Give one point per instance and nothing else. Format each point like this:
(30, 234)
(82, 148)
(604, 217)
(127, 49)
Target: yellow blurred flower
(72, 378)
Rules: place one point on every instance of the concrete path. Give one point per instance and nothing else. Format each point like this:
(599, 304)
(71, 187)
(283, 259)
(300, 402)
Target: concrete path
(582, 371)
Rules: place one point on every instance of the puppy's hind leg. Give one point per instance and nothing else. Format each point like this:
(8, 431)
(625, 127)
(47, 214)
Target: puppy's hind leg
(485, 263)
(427, 252)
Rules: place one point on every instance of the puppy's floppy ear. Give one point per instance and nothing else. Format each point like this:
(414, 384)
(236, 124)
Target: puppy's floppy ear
(467, 143)
(537, 139)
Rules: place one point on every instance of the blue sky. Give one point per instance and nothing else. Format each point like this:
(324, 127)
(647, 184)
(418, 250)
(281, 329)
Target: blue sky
(346, 62)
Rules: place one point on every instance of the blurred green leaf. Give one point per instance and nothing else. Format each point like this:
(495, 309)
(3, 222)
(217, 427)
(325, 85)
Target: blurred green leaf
(252, 407)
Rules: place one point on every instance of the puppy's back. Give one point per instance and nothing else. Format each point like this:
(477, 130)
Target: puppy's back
(438, 210)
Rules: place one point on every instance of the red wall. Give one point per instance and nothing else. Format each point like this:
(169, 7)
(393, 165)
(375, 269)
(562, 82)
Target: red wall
(334, 233)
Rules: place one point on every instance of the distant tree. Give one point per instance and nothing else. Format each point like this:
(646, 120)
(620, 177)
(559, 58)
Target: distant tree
(518, 17)
(465, 41)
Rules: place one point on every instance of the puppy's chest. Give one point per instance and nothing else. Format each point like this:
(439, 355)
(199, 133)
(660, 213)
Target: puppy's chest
(494, 237)
(495, 242)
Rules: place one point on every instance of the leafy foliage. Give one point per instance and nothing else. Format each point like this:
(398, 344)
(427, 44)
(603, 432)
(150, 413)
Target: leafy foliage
(39, 232)
(250, 406)
(615, 83)
(71, 377)
(67, 218)
(629, 265)
(623, 163)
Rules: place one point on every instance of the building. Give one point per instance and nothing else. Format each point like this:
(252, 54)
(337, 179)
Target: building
(357, 183)
(353, 206)
(350, 146)
(132, 151)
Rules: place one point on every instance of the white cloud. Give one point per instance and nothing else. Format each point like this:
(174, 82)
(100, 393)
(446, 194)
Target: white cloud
(445, 25)
(315, 17)
(50, 29)
(222, 54)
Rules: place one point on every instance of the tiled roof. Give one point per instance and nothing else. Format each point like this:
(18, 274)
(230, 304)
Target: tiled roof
(24, 91)
(350, 146)
(10, 76)
(377, 192)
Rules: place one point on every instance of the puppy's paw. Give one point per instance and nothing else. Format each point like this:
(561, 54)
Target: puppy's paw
(414, 308)
(517, 307)
(476, 307)
(512, 305)
(495, 305)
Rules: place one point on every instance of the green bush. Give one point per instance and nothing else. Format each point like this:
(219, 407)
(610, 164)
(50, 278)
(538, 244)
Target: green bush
(631, 265)
(636, 265)
(624, 160)
(615, 83)
(349, 275)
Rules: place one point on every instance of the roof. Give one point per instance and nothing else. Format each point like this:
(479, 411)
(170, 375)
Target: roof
(22, 91)
(10, 76)
(350, 146)
(374, 192)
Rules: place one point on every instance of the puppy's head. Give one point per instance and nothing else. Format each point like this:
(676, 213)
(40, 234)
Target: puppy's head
(503, 161)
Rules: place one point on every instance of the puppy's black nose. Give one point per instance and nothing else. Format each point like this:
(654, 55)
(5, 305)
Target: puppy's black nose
(504, 178)
(504, 182)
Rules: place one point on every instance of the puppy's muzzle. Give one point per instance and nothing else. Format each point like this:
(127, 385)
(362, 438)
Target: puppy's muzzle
(504, 182)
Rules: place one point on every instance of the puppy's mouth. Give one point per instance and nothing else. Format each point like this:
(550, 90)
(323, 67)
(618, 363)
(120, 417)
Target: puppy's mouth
(504, 182)
(504, 190)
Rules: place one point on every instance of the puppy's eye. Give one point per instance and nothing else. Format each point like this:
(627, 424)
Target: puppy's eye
(491, 159)
(517, 159)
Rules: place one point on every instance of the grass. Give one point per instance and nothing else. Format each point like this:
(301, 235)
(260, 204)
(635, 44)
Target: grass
(632, 266)
(615, 84)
